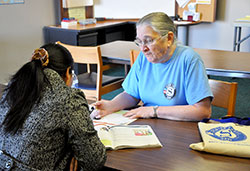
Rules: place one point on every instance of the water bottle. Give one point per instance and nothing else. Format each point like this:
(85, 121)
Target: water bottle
(75, 80)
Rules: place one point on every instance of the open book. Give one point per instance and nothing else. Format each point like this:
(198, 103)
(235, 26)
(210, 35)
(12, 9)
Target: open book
(128, 136)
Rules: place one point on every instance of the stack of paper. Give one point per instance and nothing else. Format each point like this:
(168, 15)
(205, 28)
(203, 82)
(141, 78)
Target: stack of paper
(65, 23)
(245, 19)
(87, 21)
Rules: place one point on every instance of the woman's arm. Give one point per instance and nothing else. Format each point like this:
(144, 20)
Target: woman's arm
(196, 112)
(121, 101)
(86, 146)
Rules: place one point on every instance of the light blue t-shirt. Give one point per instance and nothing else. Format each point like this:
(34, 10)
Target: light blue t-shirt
(182, 80)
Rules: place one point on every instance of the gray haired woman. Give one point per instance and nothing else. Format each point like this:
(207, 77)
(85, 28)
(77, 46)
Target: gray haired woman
(169, 78)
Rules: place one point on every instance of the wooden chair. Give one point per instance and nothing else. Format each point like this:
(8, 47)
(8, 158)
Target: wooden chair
(224, 92)
(73, 164)
(94, 84)
(133, 56)
(224, 95)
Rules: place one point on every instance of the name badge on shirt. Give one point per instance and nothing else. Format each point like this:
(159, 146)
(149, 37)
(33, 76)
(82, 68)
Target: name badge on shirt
(169, 91)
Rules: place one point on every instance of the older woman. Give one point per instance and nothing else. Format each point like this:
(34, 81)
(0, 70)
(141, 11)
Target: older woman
(45, 122)
(168, 78)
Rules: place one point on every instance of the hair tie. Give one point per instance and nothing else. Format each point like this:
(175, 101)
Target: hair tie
(42, 55)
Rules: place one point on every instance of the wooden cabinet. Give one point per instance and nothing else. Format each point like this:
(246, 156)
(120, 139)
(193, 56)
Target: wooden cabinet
(91, 36)
(88, 39)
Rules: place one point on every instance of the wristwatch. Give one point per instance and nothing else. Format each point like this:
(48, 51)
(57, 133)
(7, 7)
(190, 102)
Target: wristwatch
(155, 111)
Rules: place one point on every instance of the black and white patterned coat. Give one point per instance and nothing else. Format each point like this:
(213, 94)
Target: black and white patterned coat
(58, 128)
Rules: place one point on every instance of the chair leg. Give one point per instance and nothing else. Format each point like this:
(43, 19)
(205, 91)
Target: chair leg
(73, 164)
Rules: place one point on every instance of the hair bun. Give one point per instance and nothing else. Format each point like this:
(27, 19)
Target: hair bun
(42, 55)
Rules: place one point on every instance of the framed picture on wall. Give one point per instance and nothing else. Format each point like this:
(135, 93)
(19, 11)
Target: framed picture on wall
(8, 2)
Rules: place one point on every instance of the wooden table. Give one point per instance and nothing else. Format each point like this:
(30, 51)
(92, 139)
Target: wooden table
(226, 63)
(217, 62)
(175, 155)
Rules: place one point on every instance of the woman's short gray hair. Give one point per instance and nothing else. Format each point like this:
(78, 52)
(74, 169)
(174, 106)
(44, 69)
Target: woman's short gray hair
(160, 22)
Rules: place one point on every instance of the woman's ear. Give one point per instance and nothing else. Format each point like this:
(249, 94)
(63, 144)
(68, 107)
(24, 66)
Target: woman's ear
(68, 77)
(170, 38)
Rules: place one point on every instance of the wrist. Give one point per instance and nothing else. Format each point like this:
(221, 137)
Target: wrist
(155, 111)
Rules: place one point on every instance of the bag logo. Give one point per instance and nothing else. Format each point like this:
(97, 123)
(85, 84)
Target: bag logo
(169, 91)
(226, 134)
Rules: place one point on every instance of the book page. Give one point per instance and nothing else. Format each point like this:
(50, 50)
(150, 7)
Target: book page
(134, 136)
(105, 137)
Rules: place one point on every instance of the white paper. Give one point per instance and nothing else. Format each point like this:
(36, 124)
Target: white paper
(192, 7)
(113, 119)
(76, 3)
(182, 3)
(196, 16)
(88, 3)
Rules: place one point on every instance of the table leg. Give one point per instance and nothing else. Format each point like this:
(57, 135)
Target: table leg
(126, 68)
(235, 38)
(184, 36)
(238, 42)
(187, 36)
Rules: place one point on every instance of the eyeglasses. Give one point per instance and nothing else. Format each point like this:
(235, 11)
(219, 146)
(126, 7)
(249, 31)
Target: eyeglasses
(148, 41)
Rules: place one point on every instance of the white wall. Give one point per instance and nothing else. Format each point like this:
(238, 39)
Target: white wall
(21, 31)
(216, 35)
(132, 8)
(219, 35)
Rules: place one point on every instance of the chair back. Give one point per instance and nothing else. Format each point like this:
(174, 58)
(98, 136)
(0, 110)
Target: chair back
(85, 54)
(224, 95)
(102, 84)
(133, 56)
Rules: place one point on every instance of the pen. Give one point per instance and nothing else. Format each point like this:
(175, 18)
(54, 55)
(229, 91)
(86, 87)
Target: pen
(91, 109)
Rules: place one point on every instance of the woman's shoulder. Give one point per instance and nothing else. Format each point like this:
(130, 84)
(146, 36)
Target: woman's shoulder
(67, 95)
(57, 90)
(187, 53)
(185, 49)
(77, 94)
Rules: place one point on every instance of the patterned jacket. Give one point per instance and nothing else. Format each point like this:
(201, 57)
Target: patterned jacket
(57, 128)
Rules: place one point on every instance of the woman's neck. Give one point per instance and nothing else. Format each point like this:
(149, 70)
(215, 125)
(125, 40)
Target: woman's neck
(169, 53)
